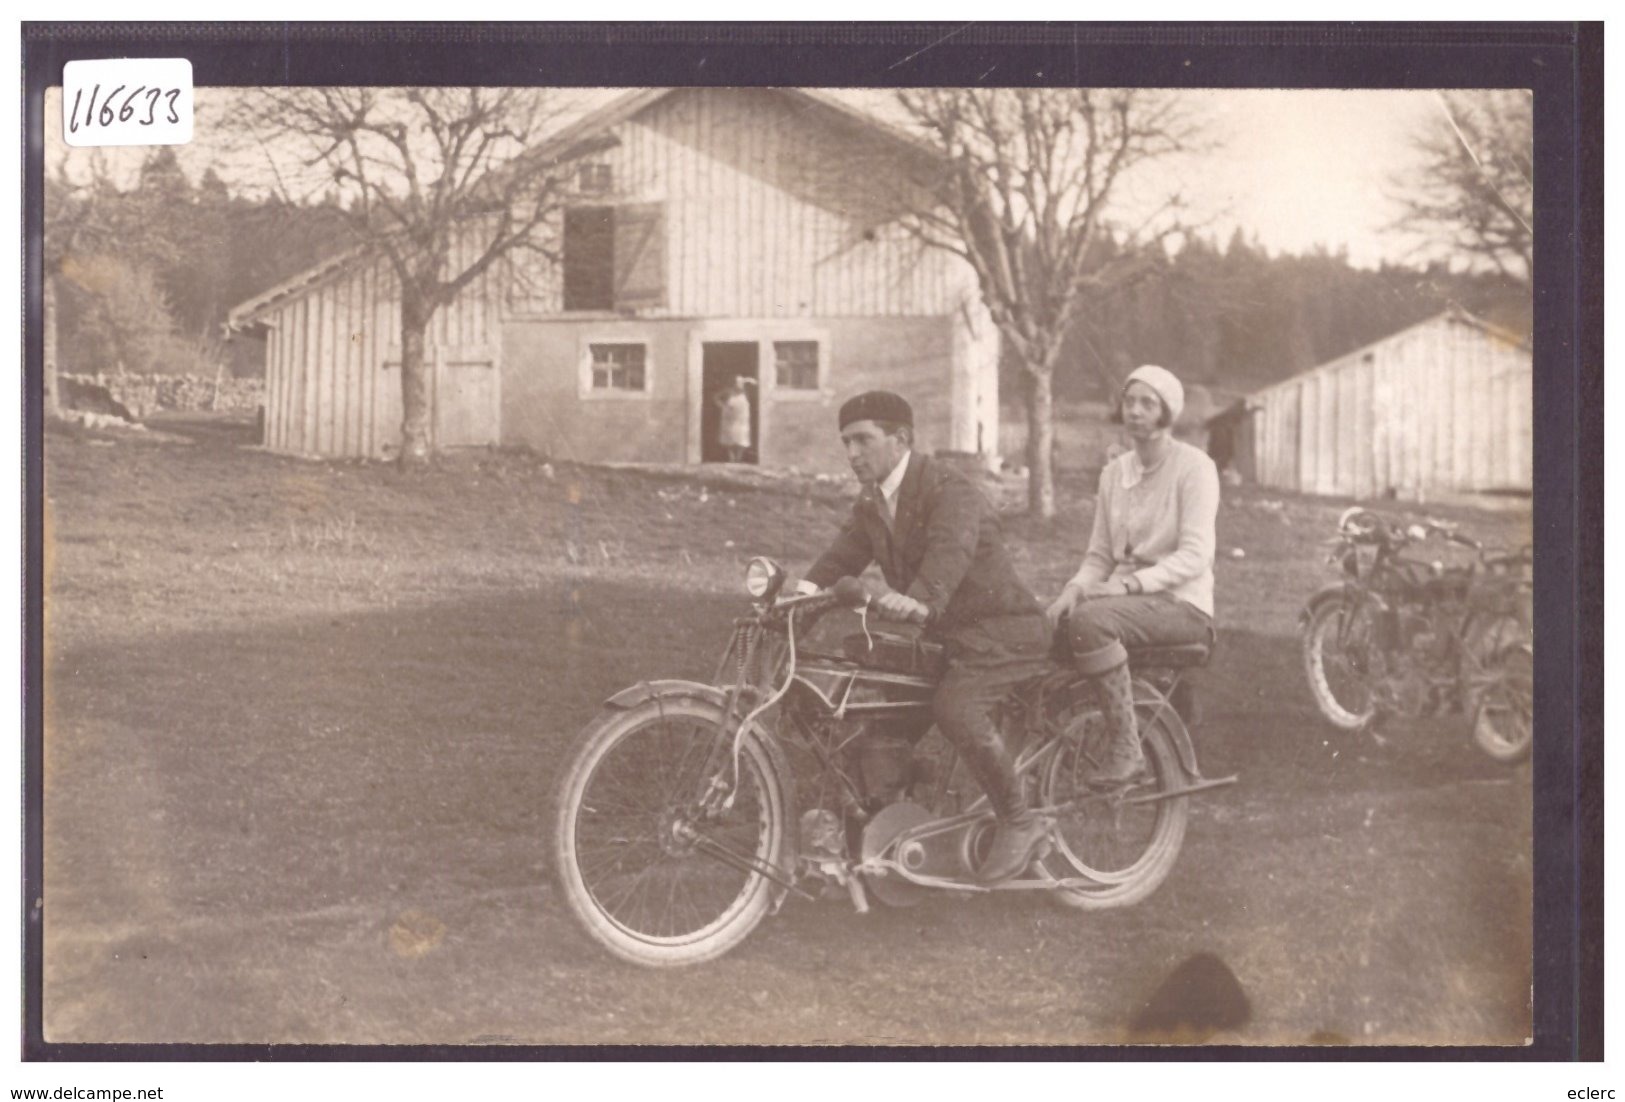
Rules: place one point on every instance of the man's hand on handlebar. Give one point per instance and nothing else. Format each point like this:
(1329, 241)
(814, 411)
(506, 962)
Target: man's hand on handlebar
(857, 593)
(900, 606)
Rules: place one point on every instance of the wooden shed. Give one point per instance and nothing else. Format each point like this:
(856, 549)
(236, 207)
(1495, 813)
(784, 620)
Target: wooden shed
(726, 233)
(1445, 406)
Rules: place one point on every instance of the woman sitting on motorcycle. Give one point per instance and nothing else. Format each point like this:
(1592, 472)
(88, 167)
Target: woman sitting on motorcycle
(1147, 576)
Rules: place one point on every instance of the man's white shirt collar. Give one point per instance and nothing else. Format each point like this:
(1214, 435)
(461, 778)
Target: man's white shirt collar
(892, 482)
(888, 488)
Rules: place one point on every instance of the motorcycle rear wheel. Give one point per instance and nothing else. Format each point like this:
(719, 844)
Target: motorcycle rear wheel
(1340, 656)
(1124, 844)
(1503, 725)
(645, 873)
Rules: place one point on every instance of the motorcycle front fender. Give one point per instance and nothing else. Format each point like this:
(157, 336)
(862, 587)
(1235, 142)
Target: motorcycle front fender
(1337, 591)
(645, 691)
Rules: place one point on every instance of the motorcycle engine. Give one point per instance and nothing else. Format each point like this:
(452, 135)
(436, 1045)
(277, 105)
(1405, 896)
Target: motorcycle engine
(885, 766)
(1407, 692)
(1420, 666)
(878, 749)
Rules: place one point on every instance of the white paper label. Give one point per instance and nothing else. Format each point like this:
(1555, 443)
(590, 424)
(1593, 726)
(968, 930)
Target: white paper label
(127, 101)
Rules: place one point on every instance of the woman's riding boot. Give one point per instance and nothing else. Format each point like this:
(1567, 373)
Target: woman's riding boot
(1122, 760)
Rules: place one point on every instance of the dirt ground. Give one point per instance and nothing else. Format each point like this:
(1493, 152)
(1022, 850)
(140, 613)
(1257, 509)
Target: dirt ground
(302, 720)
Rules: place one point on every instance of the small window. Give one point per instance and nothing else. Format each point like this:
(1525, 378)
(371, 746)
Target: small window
(796, 364)
(596, 179)
(618, 367)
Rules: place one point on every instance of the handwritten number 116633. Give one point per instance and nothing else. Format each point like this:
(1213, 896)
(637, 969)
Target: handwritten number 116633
(142, 106)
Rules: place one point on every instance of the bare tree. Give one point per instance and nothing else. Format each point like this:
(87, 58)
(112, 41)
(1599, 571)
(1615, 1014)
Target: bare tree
(91, 225)
(1026, 186)
(68, 225)
(417, 170)
(1474, 190)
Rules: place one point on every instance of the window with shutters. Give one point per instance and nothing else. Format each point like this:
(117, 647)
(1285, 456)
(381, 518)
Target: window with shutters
(795, 365)
(615, 257)
(589, 258)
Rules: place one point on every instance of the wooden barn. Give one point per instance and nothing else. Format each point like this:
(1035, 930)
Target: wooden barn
(1444, 407)
(726, 233)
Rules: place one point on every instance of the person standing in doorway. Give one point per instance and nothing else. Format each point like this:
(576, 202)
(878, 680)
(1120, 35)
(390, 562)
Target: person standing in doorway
(733, 426)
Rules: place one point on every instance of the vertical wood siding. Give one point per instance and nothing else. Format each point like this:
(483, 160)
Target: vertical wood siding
(1442, 407)
(329, 384)
(769, 213)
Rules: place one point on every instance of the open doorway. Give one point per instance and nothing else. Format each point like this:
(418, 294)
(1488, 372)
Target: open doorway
(730, 403)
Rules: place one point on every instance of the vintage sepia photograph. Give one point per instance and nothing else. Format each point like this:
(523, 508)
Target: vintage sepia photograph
(709, 564)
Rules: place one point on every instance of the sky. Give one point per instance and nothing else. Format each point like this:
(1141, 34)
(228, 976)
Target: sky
(1295, 169)
(1303, 168)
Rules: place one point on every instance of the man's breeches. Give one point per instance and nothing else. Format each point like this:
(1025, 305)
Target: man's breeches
(987, 662)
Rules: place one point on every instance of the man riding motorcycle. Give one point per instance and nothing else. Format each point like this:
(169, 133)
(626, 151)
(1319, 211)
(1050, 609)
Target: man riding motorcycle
(936, 538)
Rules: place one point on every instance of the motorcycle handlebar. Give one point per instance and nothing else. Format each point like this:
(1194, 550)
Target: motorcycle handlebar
(1364, 526)
(848, 593)
(820, 599)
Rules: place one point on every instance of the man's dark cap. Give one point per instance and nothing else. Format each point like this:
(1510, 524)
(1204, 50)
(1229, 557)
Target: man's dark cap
(877, 405)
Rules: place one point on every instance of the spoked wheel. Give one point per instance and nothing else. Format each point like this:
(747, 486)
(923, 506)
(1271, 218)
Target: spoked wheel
(1504, 724)
(1343, 661)
(655, 868)
(1125, 842)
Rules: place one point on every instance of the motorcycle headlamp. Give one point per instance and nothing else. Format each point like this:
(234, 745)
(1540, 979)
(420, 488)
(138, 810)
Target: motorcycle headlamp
(763, 577)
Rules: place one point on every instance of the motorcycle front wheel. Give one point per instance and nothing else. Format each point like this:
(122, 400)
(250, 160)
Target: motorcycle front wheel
(656, 866)
(1503, 725)
(1124, 843)
(1341, 658)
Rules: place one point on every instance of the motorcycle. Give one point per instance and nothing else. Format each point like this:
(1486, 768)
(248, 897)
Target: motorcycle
(1401, 636)
(676, 827)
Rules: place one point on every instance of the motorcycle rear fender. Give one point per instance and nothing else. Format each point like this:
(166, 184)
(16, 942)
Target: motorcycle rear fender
(1146, 693)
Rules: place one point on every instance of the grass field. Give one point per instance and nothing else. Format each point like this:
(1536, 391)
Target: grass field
(302, 719)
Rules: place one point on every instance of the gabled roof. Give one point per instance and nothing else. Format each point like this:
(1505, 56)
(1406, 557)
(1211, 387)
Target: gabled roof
(242, 316)
(1451, 313)
(593, 125)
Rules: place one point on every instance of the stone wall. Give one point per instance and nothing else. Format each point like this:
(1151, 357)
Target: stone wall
(142, 394)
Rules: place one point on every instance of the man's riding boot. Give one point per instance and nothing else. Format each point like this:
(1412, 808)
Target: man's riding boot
(1015, 840)
(1122, 760)
(1019, 829)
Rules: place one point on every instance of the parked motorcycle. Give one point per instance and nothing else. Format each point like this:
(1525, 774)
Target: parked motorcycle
(1404, 636)
(687, 812)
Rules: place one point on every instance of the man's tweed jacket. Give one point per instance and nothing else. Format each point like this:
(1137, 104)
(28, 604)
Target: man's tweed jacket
(944, 550)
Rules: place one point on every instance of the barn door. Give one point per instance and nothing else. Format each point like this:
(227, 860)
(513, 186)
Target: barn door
(466, 398)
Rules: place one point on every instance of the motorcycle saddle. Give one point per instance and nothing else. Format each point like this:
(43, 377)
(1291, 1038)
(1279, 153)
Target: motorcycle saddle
(1177, 657)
